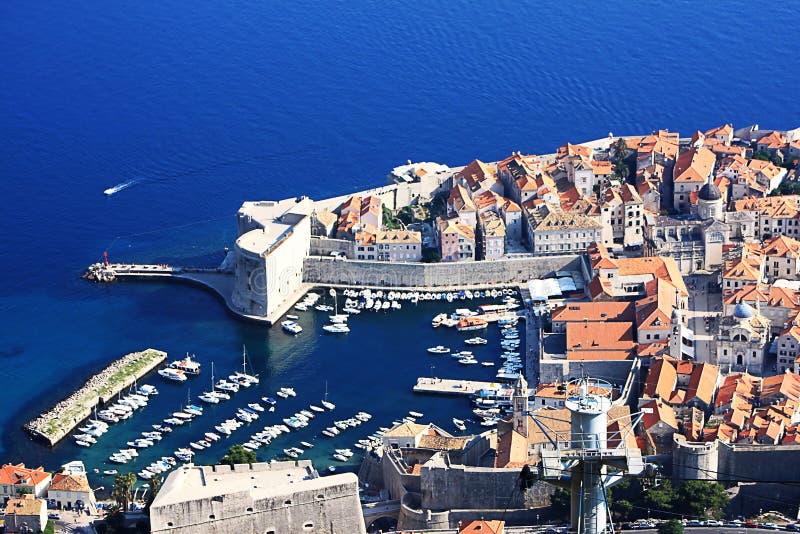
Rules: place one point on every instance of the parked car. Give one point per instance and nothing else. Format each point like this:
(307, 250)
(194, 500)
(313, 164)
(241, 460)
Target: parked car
(734, 523)
(54, 515)
(792, 527)
(694, 523)
(713, 523)
(769, 526)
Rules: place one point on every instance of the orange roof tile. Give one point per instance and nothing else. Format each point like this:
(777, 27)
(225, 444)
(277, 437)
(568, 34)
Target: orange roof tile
(694, 165)
(19, 474)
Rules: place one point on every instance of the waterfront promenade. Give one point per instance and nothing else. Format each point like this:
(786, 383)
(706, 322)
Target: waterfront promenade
(54, 424)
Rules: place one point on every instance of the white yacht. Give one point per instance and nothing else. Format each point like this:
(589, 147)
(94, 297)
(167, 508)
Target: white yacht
(187, 365)
(336, 328)
(176, 375)
(291, 327)
(439, 349)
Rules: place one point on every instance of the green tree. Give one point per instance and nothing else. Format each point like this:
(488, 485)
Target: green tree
(431, 255)
(701, 498)
(121, 492)
(622, 170)
(661, 498)
(621, 150)
(560, 503)
(50, 528)
(238, 455)
(673, 526)
(389, 222)
(155, 485)
(24, 491)
(406, 214)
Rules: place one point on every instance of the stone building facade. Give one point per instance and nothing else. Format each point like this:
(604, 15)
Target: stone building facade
(267, 498)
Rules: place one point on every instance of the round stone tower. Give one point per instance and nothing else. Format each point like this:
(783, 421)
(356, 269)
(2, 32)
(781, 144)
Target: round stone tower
(709, 201)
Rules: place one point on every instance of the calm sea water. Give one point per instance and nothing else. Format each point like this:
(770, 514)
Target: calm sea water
(206, 105)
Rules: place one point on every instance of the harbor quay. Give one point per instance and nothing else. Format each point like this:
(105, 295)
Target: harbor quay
(57, 422)
(447, 386)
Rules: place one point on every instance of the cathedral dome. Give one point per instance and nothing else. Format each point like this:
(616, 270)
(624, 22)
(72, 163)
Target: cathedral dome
(743, 311)
(709, 192)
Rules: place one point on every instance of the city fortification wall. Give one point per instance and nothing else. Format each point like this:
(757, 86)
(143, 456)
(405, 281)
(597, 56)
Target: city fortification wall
(720, 461)
(321, 270)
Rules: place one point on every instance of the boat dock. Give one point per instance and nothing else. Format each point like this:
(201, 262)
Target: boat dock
(447, 386)
(57, 422)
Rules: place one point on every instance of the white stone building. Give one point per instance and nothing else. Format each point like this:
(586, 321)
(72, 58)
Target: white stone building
(274, 238)
(743, 340)
(268, 498)
(552, 231)
(399, 245)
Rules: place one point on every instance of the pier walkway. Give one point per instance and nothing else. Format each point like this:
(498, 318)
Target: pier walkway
(446, 386)
(57, 422)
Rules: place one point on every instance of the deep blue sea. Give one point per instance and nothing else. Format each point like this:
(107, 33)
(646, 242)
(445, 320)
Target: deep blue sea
(205, 104)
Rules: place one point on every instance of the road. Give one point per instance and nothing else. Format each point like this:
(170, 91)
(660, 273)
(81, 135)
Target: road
(703, 304)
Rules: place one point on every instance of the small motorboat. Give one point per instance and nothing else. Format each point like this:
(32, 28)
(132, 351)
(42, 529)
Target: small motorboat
(110, 472)
(316, 408)
(459, 424)
(438, 349)
(291, 327)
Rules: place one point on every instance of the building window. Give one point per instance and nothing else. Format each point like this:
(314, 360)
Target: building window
(308, 526)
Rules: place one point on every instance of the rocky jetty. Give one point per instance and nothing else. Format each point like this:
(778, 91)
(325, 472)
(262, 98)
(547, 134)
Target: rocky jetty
(58, 421)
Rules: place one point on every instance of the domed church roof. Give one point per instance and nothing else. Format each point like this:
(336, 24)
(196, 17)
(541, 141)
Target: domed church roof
(709, 192)
(743, 311)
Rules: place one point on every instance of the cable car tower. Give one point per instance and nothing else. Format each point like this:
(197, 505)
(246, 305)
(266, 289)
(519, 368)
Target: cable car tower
(589, 459)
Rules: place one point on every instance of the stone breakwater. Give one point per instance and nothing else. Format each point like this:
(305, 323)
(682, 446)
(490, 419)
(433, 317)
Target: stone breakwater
(54, 424)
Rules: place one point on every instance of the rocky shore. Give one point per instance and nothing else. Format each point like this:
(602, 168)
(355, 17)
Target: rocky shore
(58, 421)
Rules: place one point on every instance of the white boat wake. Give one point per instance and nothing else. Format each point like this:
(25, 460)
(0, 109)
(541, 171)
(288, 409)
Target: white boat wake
(119, 187)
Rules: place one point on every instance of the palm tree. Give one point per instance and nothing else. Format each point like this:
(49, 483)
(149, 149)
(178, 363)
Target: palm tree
(155, 485)
(121, 492)
(621, 150)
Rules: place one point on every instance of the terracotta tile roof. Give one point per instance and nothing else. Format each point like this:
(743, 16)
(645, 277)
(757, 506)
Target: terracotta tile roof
(743, 269)
(476, 174)
(601, 168)
(405, 430)
(364, 238)
(399, 237)
(573, 150)
(694, 165)
(703, 383)
(352, 203)
(660, 267)
(460, 200)
(594, 354)
(452, 226)
(442, 443)
(62, 482)
(779, 207)
(792, 331)
(508, 205)
(526, 183)
(600, 336)
(742, 385)
(594, 311)
(725, 129)
(661, 412)
(782, 246)
(26, 505)
(481, 526)
(661, 379)
(774, 140)
(19, 474)
(512, 449)
(776, 297)
(629, 194)
(785, 385)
